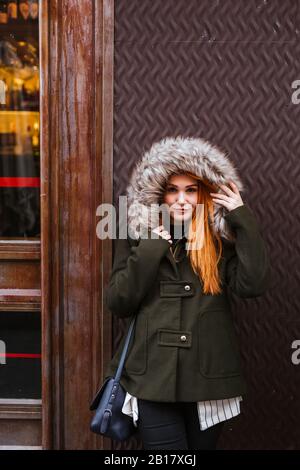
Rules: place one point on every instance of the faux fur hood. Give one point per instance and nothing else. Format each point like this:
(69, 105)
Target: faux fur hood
(169, 156)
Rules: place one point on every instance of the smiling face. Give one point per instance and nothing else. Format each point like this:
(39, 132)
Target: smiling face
(181, 196)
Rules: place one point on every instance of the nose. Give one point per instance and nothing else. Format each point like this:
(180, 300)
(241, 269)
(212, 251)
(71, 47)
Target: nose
(181, 197)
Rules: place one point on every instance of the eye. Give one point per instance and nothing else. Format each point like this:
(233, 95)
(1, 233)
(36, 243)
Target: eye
(189, 190)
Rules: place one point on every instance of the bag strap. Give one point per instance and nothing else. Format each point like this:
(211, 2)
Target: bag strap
(124, 352)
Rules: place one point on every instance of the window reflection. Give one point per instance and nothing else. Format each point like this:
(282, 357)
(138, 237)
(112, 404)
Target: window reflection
(19, 120)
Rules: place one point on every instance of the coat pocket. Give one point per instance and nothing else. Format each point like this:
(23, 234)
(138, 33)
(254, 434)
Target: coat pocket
(218, 354)
(136, 360)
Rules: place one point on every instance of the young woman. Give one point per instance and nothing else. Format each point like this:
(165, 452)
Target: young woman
(183, 374)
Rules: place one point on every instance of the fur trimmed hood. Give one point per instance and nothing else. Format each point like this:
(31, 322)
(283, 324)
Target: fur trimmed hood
(169, 156)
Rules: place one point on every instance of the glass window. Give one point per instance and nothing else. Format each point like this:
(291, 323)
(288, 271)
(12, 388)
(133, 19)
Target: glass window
(20, 355)
(20, 332)
(19, 119)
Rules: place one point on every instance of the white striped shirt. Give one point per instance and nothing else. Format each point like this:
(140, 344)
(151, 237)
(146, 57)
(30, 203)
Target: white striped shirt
(210, 412)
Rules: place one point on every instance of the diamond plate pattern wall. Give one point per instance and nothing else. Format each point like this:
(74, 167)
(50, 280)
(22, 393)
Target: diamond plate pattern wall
(223, 70)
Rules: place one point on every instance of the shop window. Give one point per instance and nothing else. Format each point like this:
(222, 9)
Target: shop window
(19, 120)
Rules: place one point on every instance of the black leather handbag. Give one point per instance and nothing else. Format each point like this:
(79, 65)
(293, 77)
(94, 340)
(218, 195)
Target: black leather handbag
(108, 419)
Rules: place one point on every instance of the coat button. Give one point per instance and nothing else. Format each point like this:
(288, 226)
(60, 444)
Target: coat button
(183, 338)
(187, 287)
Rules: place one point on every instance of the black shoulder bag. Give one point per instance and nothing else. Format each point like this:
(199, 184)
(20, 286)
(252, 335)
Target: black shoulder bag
(108, 402)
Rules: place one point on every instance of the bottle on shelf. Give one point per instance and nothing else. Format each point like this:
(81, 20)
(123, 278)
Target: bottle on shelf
(35, 139)
(24, 10)
(12, 10)
(3, 12)
(26, 142)
(17, 149)
(33, 9)
(15, 98)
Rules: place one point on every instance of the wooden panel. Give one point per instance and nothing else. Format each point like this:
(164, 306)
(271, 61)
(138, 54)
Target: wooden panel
(23, 274)
(20, 249)
(76, 133)
(45, 39)
(20, 409)
(20, 432)
(20, 299)
(21, 423)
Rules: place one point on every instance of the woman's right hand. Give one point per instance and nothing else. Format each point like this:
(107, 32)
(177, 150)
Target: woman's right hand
(163, 233)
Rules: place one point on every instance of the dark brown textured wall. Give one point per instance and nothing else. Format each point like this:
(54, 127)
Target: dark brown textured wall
(223, 70)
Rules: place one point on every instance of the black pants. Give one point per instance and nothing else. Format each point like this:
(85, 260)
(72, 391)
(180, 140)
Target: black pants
(174, 426)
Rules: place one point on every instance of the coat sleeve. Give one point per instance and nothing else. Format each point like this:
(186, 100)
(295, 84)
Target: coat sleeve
(247, 270)
(133, 273)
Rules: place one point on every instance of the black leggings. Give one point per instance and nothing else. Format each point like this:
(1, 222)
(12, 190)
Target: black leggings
(174, 426)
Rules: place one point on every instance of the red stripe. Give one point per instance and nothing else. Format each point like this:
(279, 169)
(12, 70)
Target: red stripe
(19, 181)
(27, 356)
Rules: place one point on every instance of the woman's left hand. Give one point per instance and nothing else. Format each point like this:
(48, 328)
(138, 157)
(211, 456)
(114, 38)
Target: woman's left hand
(231, 200)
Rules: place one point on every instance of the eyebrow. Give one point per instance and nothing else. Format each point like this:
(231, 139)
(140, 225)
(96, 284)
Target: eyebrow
(188, 186)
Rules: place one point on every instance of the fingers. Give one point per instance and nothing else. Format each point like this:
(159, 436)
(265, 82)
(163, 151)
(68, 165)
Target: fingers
(221, 196)
(227, 200)
(227, 190)
(227, 205)
(231, 199)
(163, 233)
(235, 188)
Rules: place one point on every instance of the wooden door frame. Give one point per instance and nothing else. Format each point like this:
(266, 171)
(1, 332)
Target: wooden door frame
(65, 395)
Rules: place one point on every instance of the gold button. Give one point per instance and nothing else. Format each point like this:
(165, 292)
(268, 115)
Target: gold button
(183, 338)
(187, 287)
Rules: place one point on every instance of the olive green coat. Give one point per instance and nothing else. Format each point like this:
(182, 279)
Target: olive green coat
(184, 347)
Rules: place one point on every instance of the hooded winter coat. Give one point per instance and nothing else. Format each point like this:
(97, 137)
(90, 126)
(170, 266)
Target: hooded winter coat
(184, 346)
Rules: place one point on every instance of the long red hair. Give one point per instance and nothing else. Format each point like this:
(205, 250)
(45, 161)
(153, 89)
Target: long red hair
(204, 260)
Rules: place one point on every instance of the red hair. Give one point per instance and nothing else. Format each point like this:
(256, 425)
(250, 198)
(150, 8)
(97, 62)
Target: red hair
(204, 260)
